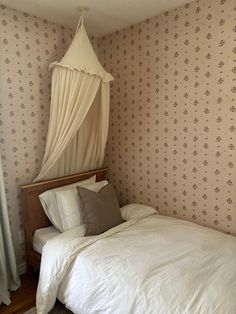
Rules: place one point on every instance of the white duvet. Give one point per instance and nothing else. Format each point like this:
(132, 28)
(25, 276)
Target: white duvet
(154, 264)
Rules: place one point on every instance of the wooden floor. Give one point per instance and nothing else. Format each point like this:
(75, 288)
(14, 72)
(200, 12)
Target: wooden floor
(24, 298)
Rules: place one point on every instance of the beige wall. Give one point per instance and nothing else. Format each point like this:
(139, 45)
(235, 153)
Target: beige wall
(173, 113)
(172, 132)
(28, 45)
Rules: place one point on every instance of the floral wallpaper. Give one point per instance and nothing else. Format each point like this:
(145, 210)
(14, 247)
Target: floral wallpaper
(172, 137)
(172, 134)
(28, 45)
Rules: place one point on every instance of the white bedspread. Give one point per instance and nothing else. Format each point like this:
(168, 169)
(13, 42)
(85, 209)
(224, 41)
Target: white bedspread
(151, 265)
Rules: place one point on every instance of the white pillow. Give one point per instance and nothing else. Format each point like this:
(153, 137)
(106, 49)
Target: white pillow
(68, 204)
(137, 211)
(49, 201)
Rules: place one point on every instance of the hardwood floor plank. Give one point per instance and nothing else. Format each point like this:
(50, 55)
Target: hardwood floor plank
(24, 298)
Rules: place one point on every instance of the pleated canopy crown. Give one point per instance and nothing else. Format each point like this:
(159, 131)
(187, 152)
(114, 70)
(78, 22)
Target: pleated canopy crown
(81, 56)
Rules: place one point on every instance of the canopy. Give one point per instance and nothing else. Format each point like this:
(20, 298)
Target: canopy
(79, 112)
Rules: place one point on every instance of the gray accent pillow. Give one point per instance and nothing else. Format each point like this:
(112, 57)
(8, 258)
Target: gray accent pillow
(100, 210)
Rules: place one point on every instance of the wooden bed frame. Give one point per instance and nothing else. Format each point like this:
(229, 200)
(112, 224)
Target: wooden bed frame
(33, 214)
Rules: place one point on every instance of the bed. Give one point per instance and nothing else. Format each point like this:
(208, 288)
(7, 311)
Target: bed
(148, 264)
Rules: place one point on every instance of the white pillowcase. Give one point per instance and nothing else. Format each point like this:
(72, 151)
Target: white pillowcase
(68, 204)
(49, 201)
(137, 211)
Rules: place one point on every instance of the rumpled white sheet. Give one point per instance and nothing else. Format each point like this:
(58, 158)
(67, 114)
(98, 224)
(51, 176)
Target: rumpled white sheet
(151, 265)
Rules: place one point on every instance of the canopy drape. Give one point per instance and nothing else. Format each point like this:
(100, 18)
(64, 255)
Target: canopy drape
(79, 112)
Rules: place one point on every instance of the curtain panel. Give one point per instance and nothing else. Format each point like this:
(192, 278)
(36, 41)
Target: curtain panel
(9, 279)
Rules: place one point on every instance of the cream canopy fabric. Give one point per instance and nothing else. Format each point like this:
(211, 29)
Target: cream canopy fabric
(79, 114)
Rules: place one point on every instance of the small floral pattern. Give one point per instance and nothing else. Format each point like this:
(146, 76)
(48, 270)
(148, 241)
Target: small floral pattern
(172, 137)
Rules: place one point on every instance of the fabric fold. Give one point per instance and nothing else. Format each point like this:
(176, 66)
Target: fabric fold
(9, 279)
(55, 264)
(105, 77)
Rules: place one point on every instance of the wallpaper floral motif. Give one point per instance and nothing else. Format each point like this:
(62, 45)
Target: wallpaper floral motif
(172, 134)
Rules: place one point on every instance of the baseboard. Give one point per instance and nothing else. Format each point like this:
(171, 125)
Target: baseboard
(21, 269)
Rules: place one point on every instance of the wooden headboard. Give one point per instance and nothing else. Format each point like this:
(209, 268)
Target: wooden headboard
(33, 214)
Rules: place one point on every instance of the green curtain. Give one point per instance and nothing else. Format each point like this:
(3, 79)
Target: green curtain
(9, 279)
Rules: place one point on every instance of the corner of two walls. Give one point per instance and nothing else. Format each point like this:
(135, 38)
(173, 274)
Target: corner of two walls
(172, 135)
(172, 126)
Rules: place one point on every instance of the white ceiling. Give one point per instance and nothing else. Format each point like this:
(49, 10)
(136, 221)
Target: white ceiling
(104, 17)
